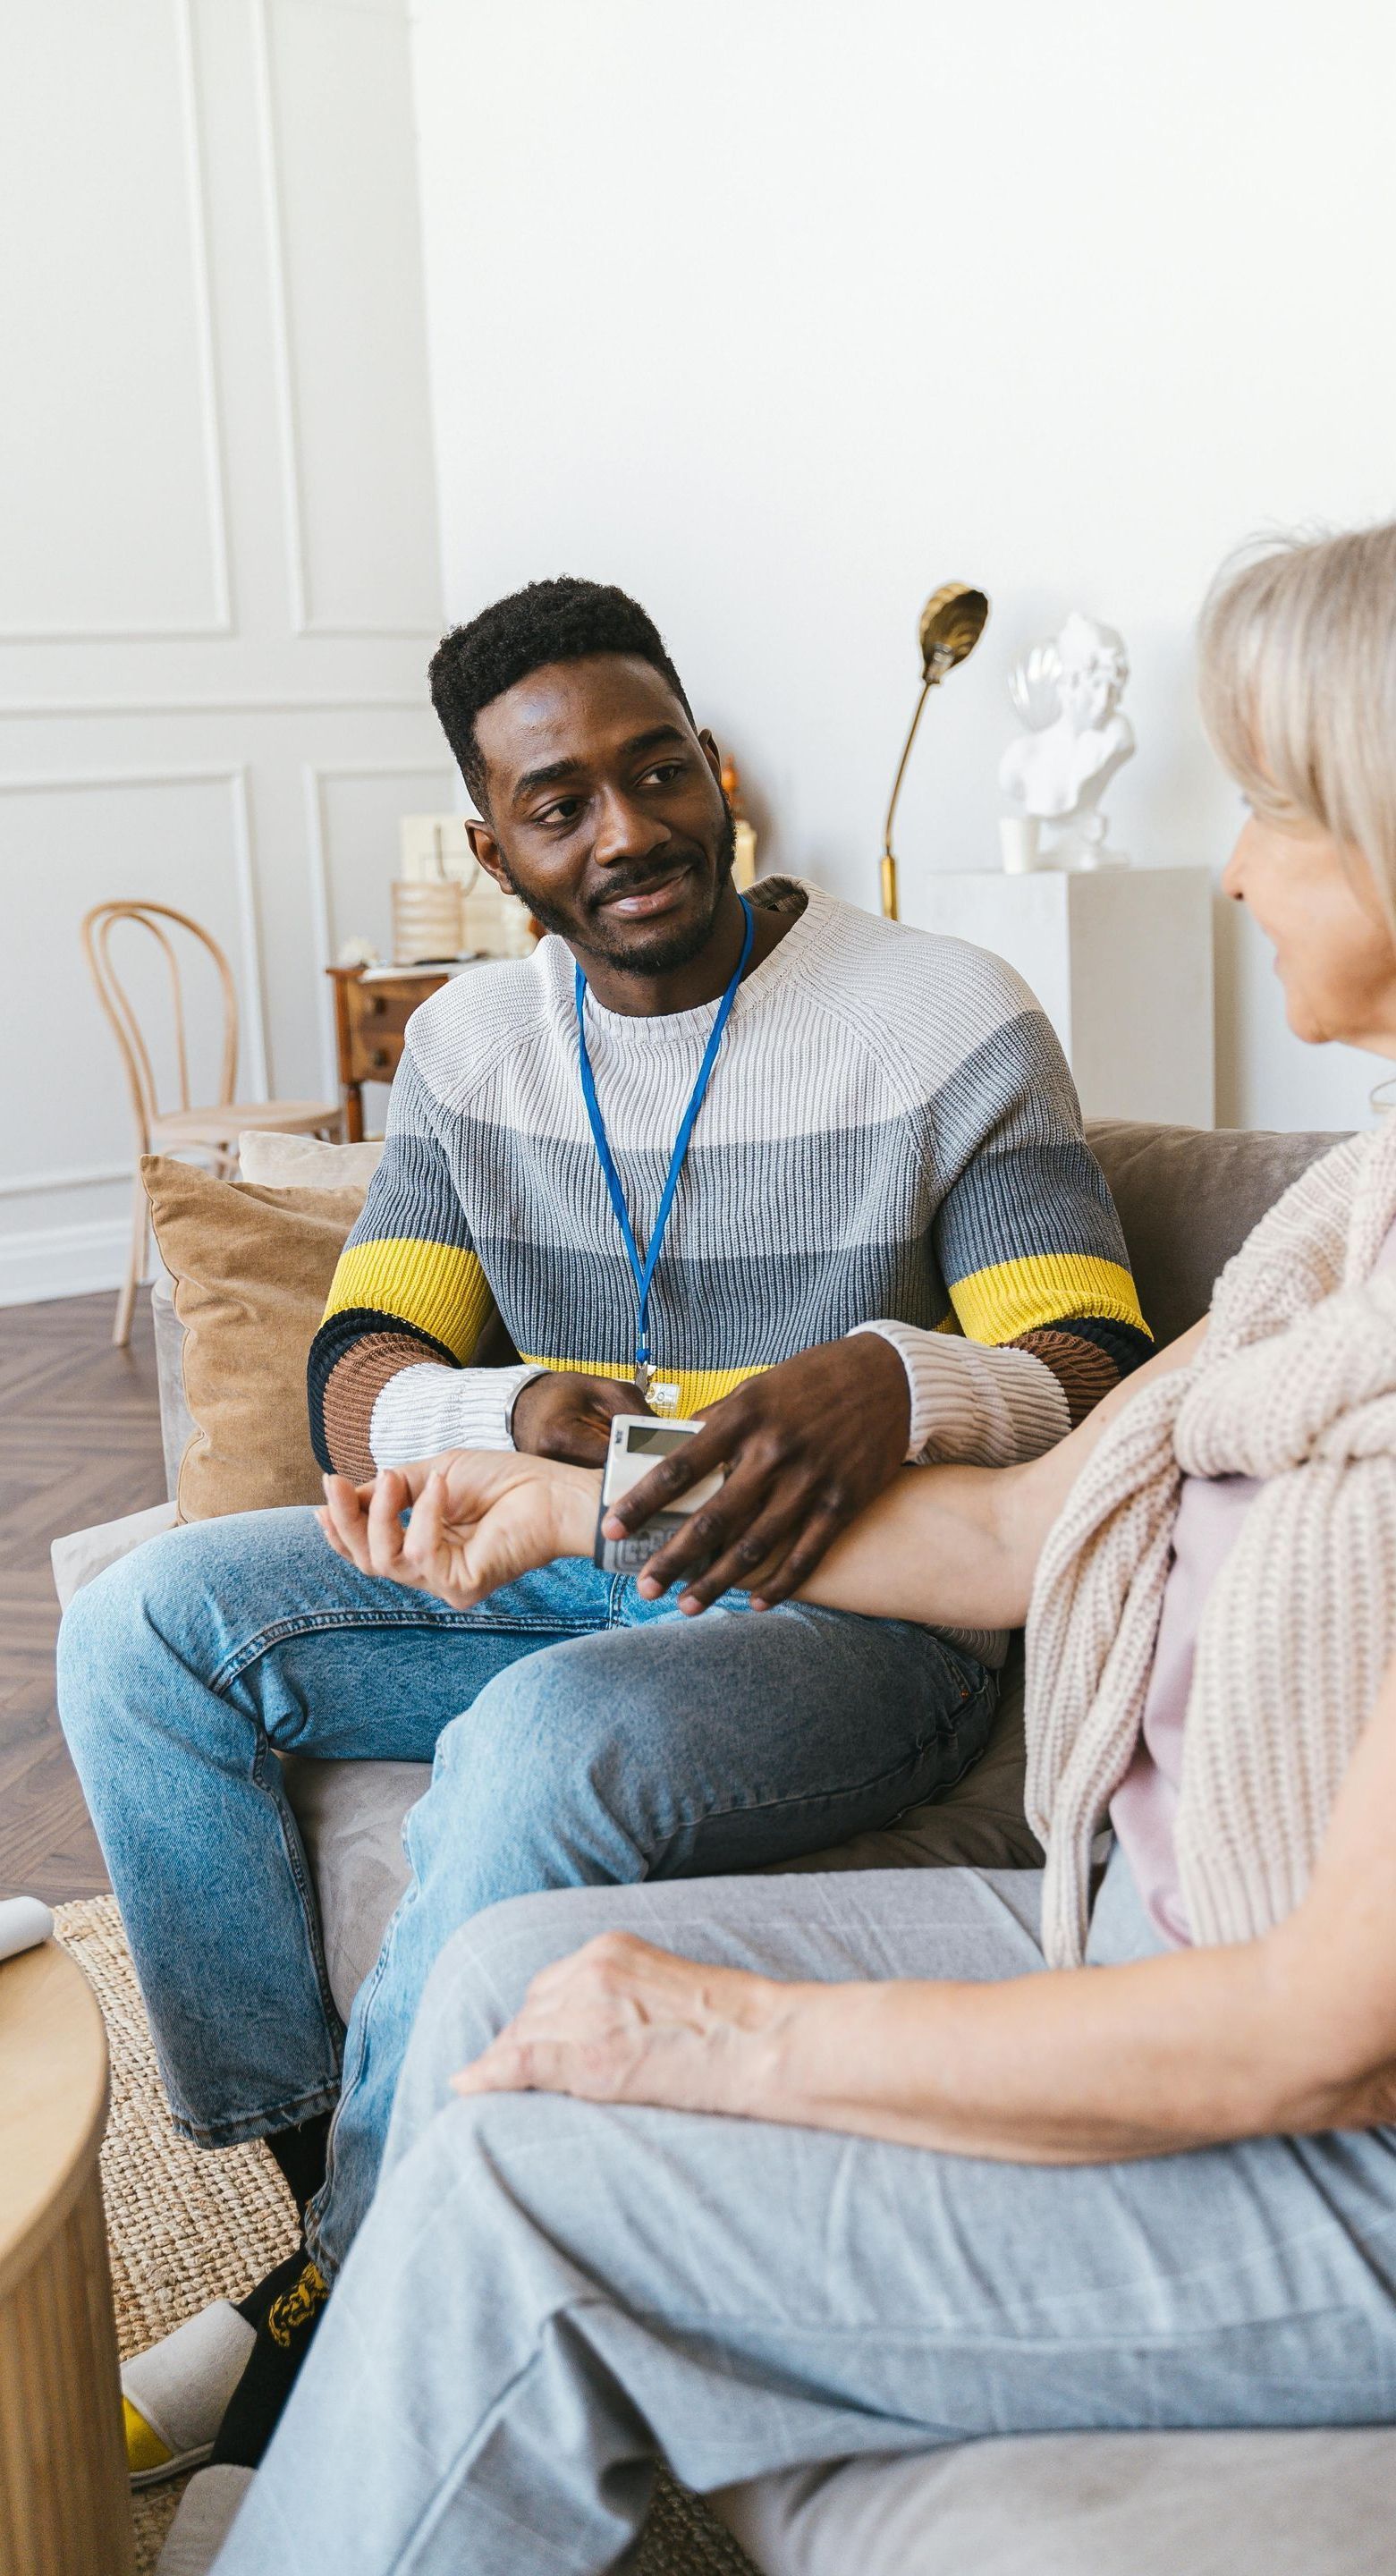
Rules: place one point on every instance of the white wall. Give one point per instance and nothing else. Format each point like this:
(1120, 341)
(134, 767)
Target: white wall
(219, 577)
(780, 312)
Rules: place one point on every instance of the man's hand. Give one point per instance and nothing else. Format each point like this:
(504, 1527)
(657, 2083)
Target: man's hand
(620, 2021)
(565, 1414)
(806, 1445)
(479, 1519)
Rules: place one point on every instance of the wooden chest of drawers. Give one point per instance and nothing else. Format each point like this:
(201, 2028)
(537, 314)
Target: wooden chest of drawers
(369, 1019)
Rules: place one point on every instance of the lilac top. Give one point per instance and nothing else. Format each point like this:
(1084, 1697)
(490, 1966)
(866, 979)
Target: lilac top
(1144, 1808)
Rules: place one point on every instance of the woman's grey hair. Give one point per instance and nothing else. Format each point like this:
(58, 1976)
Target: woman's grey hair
(1297, 679)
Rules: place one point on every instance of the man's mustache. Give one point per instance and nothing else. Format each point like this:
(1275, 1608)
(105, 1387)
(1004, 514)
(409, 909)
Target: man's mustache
(636, 882)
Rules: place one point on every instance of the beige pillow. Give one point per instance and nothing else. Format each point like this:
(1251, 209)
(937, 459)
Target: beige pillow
(251, 1269)
(276, 1162)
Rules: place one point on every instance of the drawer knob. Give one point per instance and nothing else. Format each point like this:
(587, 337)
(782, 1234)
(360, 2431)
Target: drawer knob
(379, 1056)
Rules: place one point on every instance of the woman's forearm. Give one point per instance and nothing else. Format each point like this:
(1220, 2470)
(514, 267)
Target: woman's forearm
(948, 1546)
(1084, 2066)
(1285, 2035)
(957, 1547)
(1081, 2066)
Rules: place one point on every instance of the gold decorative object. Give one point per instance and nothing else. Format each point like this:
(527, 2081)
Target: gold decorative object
(952, 622)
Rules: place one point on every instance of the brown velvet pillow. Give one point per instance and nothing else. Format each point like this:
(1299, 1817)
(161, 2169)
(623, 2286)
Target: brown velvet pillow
(252, 1269)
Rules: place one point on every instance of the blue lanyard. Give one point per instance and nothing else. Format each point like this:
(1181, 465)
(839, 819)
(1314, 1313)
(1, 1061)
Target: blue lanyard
(643, 1271)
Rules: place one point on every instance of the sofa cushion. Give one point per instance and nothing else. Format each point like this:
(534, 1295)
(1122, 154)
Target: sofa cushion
(1187, 1199)
(81, 1555)
(1320, 2503)
(273, 1161)
(350, 1816)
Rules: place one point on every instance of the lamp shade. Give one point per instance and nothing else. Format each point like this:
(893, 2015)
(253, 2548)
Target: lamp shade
(952, 622)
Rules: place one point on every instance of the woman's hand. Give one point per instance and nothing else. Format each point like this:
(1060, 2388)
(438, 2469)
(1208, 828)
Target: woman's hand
(620, 2021)
(479, 1519)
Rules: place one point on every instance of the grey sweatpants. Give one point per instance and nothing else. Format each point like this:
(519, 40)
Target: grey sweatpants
(547, 2293)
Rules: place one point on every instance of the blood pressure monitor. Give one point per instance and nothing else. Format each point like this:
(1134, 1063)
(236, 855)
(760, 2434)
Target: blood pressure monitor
(637, 1444)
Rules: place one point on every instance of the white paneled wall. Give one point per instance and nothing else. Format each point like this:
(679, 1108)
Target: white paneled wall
(218, 553)
(791, 311)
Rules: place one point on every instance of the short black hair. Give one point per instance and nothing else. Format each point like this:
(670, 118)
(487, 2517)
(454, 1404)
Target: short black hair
(548, 621)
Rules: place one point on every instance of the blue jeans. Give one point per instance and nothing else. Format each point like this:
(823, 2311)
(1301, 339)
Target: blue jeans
(579, 1735)
(548, 2292)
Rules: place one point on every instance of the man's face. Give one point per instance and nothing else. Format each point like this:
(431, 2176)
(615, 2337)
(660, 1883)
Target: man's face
(605, 811)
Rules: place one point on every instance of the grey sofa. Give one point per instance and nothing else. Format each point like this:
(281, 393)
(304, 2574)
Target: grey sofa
(1124, 2504)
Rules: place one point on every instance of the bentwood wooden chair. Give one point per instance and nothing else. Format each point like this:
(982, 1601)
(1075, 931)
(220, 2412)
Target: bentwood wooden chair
(206, 1133)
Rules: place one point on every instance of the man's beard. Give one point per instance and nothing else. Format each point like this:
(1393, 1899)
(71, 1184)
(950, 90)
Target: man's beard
(667, 950)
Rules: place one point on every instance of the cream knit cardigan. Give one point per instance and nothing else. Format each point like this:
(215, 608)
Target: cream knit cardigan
(1295, 1383)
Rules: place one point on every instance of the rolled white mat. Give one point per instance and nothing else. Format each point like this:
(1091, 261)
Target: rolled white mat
(23, 1923)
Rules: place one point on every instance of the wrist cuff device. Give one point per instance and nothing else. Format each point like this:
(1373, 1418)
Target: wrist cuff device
(637, 1444)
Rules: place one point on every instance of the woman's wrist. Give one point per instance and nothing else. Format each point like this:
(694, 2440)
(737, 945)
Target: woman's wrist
(574, 1499)
(769, 2044)
(799, 2044)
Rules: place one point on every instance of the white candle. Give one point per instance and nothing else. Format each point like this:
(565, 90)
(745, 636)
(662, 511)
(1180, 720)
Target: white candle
(1018, 835)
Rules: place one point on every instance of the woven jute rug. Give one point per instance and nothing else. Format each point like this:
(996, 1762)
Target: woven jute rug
(186, 2227)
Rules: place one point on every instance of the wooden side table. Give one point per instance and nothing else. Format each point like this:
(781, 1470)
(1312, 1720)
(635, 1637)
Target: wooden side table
(65, 2501)
(369, 1020)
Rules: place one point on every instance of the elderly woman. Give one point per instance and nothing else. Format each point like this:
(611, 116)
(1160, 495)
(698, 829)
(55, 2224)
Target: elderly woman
(778, 2171)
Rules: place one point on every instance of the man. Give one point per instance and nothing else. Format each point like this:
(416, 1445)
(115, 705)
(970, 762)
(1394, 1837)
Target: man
(884, 1239)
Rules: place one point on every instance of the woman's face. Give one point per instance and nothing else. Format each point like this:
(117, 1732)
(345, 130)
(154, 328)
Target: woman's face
(1319, 908)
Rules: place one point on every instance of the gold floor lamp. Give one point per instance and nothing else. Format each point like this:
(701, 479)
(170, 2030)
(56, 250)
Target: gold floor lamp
(952, 622)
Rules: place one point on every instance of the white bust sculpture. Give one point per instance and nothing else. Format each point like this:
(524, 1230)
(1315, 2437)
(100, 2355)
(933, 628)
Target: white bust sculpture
(1067, 693)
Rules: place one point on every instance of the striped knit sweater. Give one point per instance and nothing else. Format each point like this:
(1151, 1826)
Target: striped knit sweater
(890, 1141)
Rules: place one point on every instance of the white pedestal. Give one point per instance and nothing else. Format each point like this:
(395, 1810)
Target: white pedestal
(1121, 961)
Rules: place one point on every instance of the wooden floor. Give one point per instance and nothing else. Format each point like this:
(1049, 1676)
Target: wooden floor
(79, 1443)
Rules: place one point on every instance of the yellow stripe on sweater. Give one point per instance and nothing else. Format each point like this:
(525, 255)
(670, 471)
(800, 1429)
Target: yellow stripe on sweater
(1013, 1297)
(698, 1388)
(436, 1287)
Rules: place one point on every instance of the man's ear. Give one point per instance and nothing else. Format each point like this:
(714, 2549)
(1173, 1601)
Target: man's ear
(485, 849)
(711, 754)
